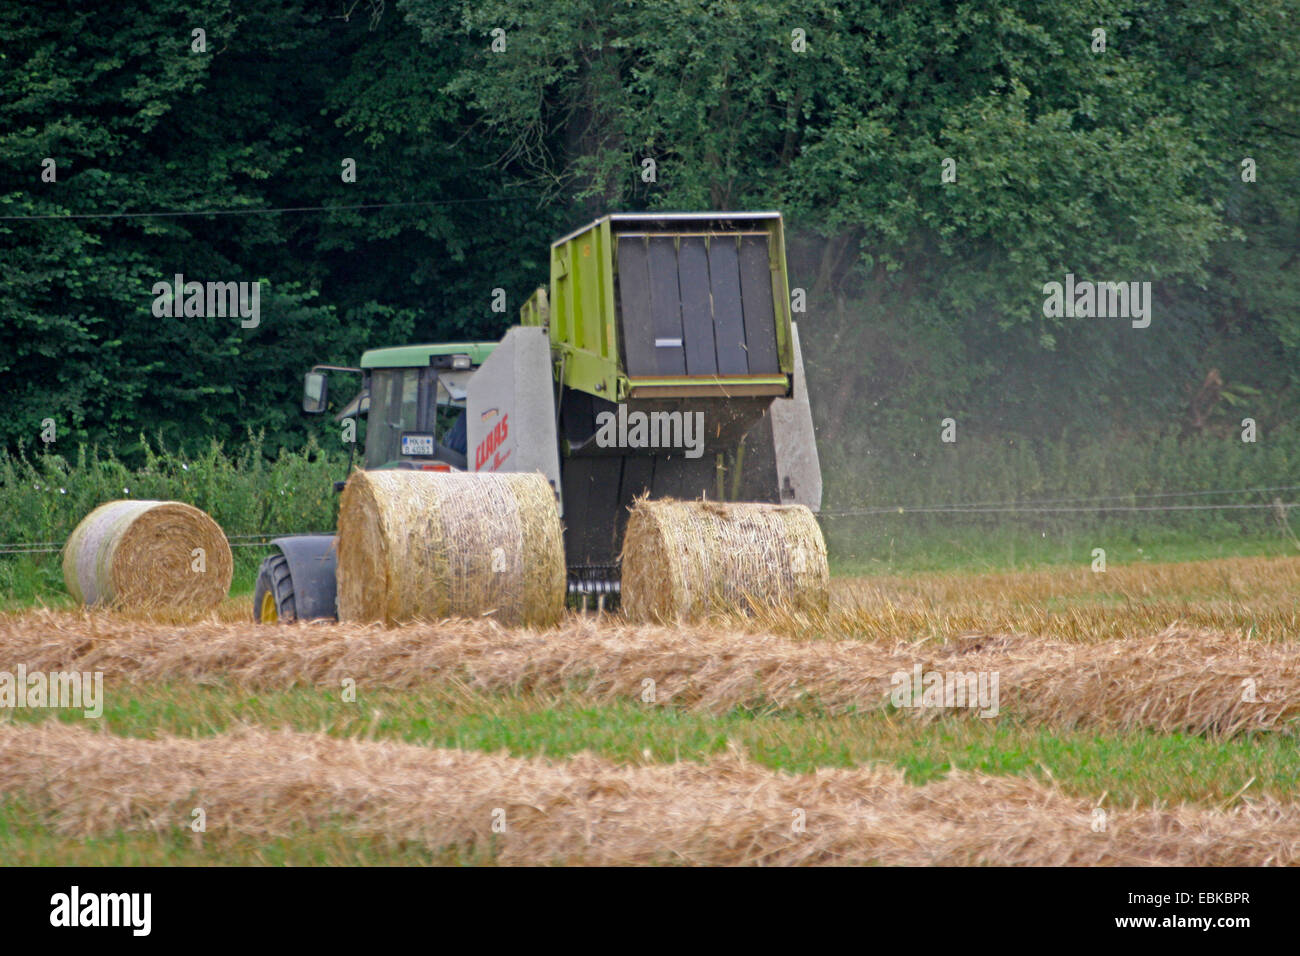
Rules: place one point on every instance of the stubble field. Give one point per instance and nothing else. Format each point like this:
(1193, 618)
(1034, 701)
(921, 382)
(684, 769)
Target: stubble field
(1139, 716)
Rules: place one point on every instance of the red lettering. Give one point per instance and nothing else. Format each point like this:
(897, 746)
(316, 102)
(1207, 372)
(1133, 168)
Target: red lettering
(495, 439)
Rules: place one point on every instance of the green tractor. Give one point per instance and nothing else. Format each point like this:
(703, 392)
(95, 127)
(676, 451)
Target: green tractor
(661, 360)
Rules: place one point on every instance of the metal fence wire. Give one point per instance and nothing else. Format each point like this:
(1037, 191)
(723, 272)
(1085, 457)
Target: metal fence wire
(1071, 505)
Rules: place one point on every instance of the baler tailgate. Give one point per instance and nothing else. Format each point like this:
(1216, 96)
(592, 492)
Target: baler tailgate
(693, 273)
(756, 293)
(696, 305)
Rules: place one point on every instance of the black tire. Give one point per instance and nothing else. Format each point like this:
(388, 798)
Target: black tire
(274, 591)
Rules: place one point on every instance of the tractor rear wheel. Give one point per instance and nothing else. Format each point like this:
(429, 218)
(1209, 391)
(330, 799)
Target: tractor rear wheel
(273, 600)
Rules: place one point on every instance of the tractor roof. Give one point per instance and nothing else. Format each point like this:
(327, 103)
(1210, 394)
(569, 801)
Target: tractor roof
(419, 356)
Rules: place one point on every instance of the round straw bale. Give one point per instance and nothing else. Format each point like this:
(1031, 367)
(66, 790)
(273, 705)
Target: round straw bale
(422, 545)
(148, 555)
(683, 560)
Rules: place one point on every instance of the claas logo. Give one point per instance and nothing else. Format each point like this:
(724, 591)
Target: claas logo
(489, 446)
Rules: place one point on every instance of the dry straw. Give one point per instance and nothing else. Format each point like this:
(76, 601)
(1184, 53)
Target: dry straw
(416, 545)
(1062, 603)
(726, 811)
(148, 555)
(1176, 681)
(686, 560)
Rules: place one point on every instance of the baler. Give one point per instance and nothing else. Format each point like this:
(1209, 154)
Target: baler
(661, 360)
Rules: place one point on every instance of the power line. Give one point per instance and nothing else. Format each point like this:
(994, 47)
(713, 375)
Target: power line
(229, 537)
(948, 509)
(274, 211)
(8, 551)
(275, 534)
(1022, 505)
(236, 541)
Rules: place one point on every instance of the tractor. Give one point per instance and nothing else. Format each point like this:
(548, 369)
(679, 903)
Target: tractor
(660, 319)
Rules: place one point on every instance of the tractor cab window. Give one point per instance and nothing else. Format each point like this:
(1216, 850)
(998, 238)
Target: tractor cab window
(454, 437)
(420, 400)
(394, 408)
(452, 385)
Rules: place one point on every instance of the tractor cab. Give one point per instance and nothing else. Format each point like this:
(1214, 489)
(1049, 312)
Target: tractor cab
(413, 398)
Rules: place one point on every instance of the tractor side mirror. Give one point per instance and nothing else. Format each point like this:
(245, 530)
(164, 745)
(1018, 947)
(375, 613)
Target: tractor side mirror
(315, 392)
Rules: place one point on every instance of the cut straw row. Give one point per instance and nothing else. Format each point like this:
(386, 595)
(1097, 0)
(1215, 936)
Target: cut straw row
(1202, 682)
(727, 811)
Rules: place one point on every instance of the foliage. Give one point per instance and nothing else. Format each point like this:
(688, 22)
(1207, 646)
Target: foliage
(924, 296)
(44, 496)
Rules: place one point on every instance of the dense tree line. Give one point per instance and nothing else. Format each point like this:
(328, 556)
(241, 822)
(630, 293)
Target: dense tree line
(938, 163)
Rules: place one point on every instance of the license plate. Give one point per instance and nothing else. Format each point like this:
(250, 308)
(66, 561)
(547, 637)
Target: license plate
(417, 444)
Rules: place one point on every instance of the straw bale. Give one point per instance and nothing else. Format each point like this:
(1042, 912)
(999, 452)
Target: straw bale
(417, 545)
(685, 560)
(144, 555)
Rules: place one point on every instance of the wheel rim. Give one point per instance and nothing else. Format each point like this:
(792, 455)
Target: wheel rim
(270, 613)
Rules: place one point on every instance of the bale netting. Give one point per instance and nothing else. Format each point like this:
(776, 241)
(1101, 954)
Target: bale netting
(420, 545)
(685, 560)
(148, 555)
